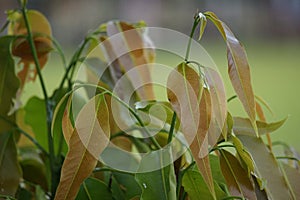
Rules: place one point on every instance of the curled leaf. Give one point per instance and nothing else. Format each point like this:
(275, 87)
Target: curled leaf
(41, 30)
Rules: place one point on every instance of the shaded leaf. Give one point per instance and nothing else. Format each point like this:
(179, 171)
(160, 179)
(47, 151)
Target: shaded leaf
(90, 137)
(10, 171)
(36, 118)
(267, 170)
(238, 68)
(242, 126)
(196, 187)
(9, 83)
(41, 29)
(158, 184)
(236, 177)
(33, 167)
(130, 186)
(92, 189)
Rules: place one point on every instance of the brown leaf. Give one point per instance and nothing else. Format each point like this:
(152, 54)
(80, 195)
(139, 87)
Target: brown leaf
(218, 103)
(132, 51)
(238, 67)
(184, 89)
(89, 139)
(236, 177)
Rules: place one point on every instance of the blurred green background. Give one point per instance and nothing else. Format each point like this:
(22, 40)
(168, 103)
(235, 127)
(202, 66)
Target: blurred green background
(269, 30)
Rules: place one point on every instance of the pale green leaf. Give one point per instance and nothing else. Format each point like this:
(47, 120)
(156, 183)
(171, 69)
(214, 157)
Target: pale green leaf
(242, 126)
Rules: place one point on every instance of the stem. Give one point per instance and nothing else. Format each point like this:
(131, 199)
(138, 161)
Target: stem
(54, 169)
(220, 147)
(180, 176)
(33, 140)
(196, 22)
(171, 132)
(231, 98)
(288, 157)
(73, 62)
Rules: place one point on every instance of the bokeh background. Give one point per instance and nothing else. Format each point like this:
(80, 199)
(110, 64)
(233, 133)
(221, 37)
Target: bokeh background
(269, 30)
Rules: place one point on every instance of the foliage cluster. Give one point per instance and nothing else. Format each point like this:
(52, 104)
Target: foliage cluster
(50, 150)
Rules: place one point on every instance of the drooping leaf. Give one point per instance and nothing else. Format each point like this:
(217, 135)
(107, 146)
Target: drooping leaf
(36, 118)
(183, 89)
(92, 189)
(10, 171)
(218, 104)
(158, 184)
(90, 137)
(196, 187)
(238, 67)
(267, 170)
(242, 126)
(131, 48)
(41, 29)
(236, 177)
(199, 146)
(9, 83)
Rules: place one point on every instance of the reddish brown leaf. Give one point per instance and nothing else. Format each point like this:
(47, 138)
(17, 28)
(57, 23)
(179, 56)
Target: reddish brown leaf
(236, 177)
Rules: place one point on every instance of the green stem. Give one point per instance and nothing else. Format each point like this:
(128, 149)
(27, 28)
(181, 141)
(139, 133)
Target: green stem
(25, 134)
(54, 169)
(171, 132)
(106, 169)
(288, 157)
(180, 176)
(7, 197)
(220, 147)
(231, 98)
(196, 22)
(72, 64)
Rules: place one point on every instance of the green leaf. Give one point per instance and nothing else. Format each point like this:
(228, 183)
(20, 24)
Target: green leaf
(238, 68)
(196, 187)
(10, 171)
(242, 126)
(203, 22)
(216, 169)
(33, 167)
(129, 184)
(36, 117)
(158, 184)
(236, 177)
(90, 138)
(9, 83)
(92, 189)
(266, 168)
